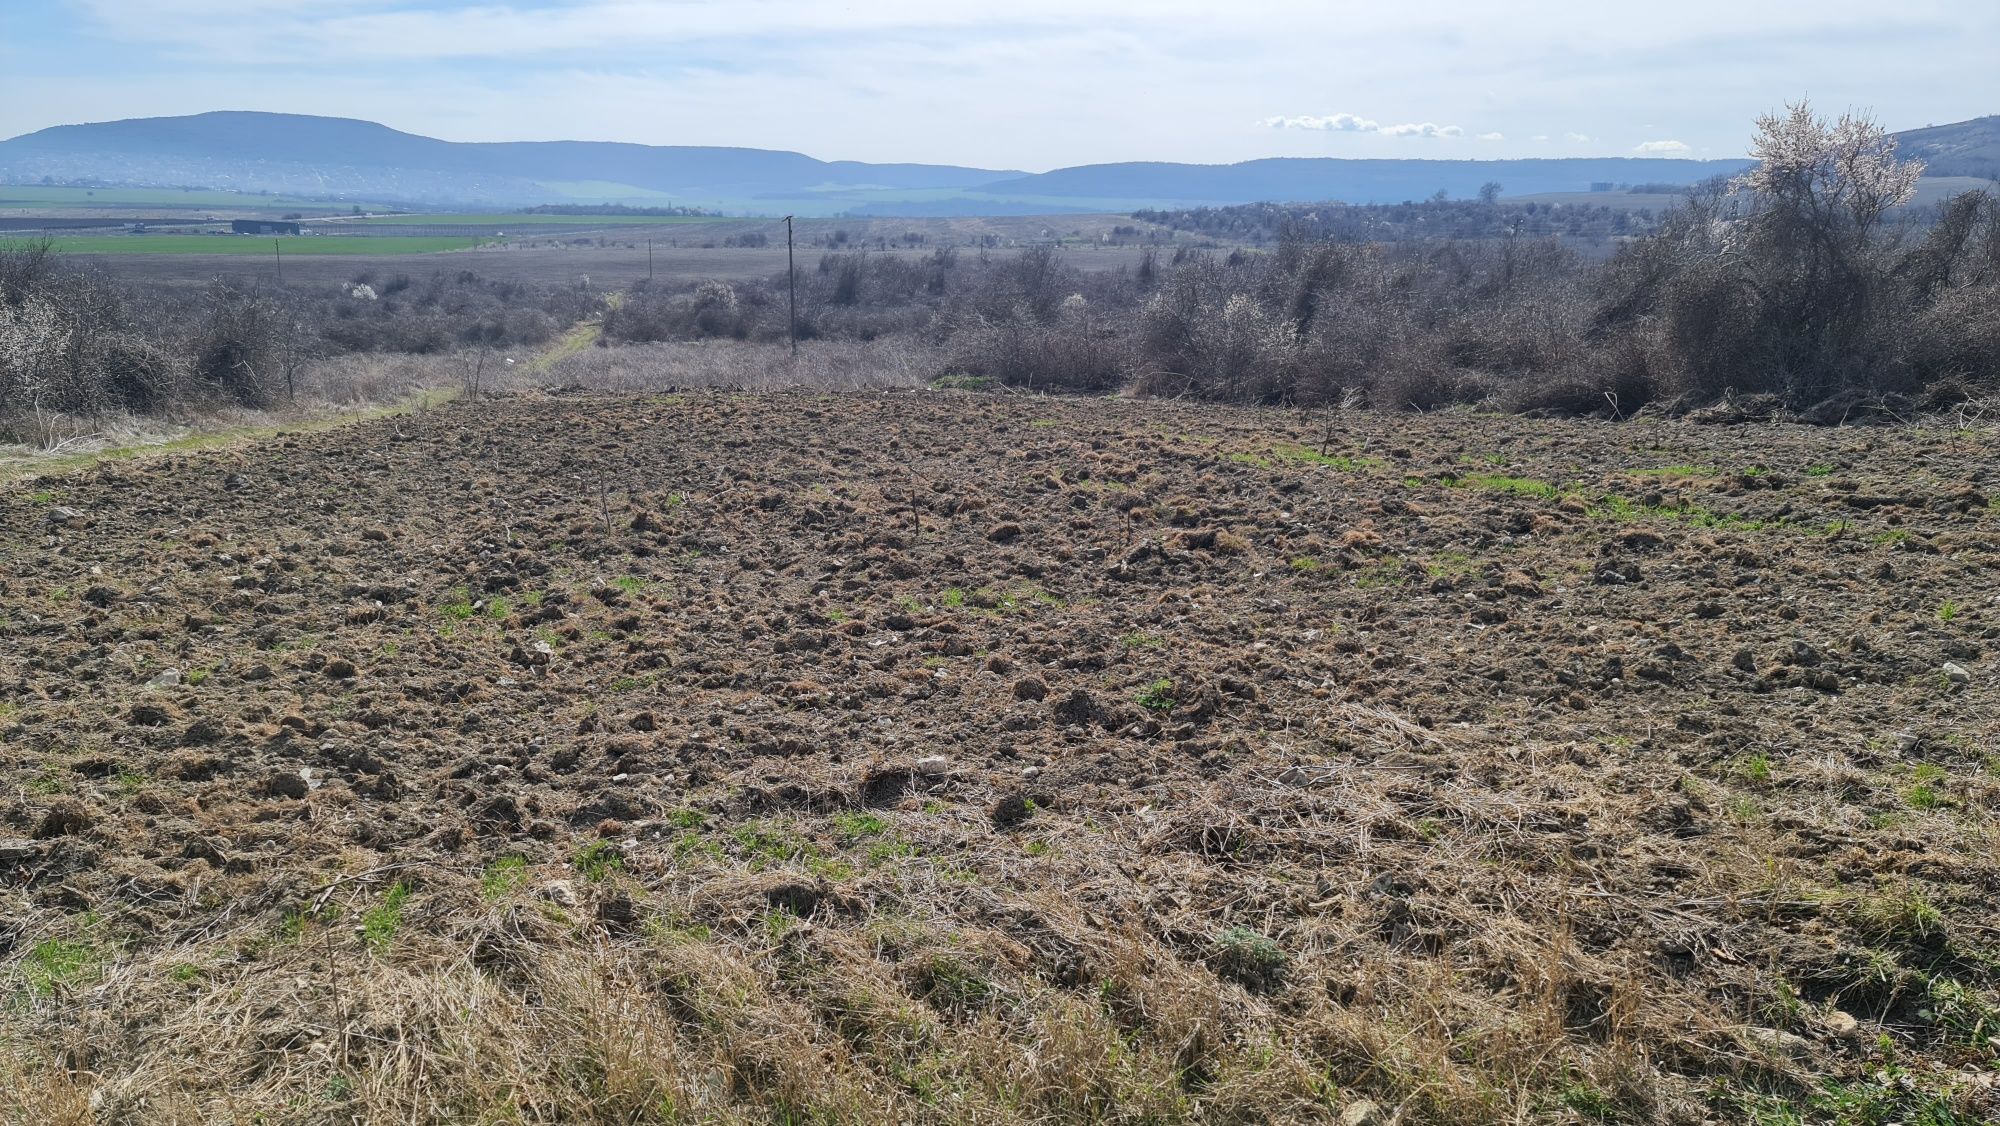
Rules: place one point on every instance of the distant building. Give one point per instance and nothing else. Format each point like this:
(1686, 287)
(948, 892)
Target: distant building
(263, 227)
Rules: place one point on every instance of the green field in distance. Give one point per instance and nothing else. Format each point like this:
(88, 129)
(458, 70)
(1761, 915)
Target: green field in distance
(316, 245)
(35, 196)
(501, 220)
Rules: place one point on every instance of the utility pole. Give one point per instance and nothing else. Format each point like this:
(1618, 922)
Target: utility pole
(278, 248)
(792, 282)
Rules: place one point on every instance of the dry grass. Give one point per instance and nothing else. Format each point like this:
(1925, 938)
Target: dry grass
(337, 391)
(829, 365)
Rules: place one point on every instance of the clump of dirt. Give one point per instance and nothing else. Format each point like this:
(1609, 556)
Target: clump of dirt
(936, 757)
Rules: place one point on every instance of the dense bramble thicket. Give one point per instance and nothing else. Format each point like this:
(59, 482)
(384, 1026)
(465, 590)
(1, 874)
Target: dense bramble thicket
(1802, 280)
(1427, 220)
(74, 341)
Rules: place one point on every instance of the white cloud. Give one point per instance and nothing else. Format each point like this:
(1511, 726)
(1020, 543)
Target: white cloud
(1331, 123)
(1577, 138)
(1423, 129)
(1032, 83)
(1663, 148)
(1354, 123)
(1539, 137)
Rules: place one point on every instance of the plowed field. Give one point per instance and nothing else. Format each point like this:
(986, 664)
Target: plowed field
(950, 758)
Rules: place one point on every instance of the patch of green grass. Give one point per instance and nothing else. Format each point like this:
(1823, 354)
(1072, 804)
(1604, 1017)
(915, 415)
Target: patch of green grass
(1588, 1101)
(1899, 914)
(686, 819)
(1305, 564)
(1142, 641)
(630, 584)
(459, 609)
(1449, 564)
(1158, 696)
(892, 849)
(778, 923)
(294, 246)
(497, 608)
(502, 219)
(852, 827)
(1524, 486)
(57, 963)
(1887, 1094)
(831, 868)
(380, 922)
(1820, 470)
(43, 497)
(1381, 574)
(1249, 956)
(768, 844)
(953, 597)
(184, 972)
(1947, 610)
(1672, 471)
(503, 877)
(1251, 459)
(597, 860)
(1960, 1012)
(691, 844)
(1754, 769)
(951, 981)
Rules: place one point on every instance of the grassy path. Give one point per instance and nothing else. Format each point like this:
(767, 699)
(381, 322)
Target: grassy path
(582, 335)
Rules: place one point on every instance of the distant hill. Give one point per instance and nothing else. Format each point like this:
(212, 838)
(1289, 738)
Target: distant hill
(341, 157)
(1965, 148)
(1354, 181)
(329, 157)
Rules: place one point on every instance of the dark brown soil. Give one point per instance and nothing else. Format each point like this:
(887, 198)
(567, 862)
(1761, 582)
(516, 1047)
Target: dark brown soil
(1637, 772)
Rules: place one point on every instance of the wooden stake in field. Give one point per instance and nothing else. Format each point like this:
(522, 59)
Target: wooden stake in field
(278, 248)
(792, 283)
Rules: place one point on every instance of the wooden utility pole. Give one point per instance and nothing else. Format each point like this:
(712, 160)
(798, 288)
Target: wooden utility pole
(792, 283)
(278, 248)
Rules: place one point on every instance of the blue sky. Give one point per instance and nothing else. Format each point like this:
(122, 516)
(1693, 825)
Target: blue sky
(1030, 84)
